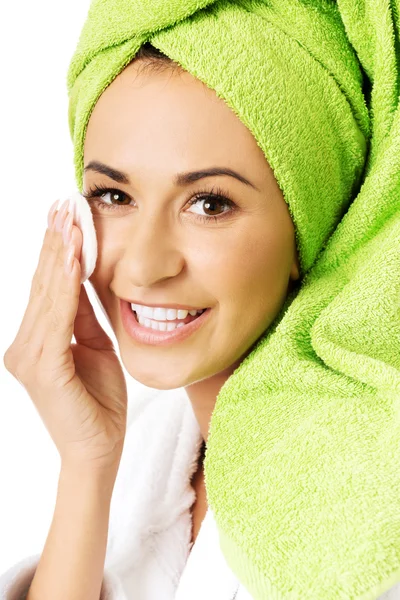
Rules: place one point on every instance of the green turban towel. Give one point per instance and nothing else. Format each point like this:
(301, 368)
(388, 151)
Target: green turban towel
(302, 465)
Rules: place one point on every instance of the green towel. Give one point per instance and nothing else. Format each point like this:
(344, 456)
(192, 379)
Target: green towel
(302, 466)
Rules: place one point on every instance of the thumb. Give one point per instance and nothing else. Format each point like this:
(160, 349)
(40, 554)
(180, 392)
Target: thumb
(87, 329)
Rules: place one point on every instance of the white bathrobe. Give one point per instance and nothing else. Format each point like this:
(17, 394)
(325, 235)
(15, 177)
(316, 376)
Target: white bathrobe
(149, 555)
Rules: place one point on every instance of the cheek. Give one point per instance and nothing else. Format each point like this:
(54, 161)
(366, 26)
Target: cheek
(110, 241)
(108, 251)
(248, 274)
(254, 263)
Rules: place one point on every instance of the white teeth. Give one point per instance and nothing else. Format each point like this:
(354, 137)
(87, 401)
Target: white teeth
(158, 326)
(147, 311)
(162, 314)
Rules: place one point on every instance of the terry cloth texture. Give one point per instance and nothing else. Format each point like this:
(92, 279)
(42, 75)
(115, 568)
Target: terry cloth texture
(149, 553)
(302, 462)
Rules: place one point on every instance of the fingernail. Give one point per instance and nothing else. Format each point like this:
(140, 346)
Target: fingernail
(59, 220)
(67, 229)
(51, 212)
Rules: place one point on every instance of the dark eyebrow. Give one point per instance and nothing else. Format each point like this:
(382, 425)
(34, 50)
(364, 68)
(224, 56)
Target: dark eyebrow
(100, 167)
(180, 179)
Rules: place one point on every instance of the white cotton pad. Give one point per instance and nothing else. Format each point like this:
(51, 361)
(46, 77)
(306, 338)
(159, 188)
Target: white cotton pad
(83, 218)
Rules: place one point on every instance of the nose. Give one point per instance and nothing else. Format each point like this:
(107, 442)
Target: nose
(152, 252)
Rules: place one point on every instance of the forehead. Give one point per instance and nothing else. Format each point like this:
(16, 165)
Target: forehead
(145, 113)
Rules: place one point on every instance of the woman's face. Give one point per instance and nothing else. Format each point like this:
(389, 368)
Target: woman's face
(155, 248)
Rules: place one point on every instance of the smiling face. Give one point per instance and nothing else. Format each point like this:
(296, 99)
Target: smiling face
(235, 253)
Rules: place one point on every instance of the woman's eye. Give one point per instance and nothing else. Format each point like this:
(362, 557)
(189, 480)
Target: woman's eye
(211, 204)
(116, 197)
(97, 197)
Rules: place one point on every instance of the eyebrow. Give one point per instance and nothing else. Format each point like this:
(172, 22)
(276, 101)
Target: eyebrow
(180, 178)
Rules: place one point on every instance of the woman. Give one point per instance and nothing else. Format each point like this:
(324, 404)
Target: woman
(162, 153)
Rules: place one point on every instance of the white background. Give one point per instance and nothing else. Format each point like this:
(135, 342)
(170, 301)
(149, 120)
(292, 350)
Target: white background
(37, 42)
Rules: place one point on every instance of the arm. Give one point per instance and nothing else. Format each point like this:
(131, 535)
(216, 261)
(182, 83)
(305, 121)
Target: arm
(72, 562)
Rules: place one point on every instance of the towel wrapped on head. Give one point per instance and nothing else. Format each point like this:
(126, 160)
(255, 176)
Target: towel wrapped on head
(302, 462)
(300, 94)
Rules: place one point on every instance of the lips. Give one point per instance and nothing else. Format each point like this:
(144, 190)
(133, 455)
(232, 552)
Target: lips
(149, 336)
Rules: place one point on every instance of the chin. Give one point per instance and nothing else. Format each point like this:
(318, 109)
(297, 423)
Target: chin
(158, 380)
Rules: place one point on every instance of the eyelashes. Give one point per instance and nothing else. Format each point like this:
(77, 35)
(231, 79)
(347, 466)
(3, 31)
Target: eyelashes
(215, 196)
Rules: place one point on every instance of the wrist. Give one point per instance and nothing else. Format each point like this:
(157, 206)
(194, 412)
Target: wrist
(87, 479)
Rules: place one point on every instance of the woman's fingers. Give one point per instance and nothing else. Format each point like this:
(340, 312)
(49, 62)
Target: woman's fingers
(40, 297)
(45, 256)
(72, 312)
(26, 349)
(47, 310)
(58, 306)
(64, 292)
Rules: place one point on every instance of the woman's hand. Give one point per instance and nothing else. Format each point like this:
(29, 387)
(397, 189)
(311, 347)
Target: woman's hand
(78, 389)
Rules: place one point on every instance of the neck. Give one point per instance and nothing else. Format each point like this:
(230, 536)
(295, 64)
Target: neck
(203, 396)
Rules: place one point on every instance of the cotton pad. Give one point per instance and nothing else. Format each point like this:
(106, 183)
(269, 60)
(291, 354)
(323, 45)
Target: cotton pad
(83, 218)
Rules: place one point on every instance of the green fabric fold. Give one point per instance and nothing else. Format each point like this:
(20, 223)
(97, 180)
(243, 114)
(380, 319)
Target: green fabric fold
(302, 461)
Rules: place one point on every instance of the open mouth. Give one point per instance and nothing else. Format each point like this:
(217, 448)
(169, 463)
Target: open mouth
(164, 332)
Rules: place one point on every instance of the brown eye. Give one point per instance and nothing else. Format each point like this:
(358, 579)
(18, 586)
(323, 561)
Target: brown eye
(117, 197)
(212, 205)
(95, 197)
